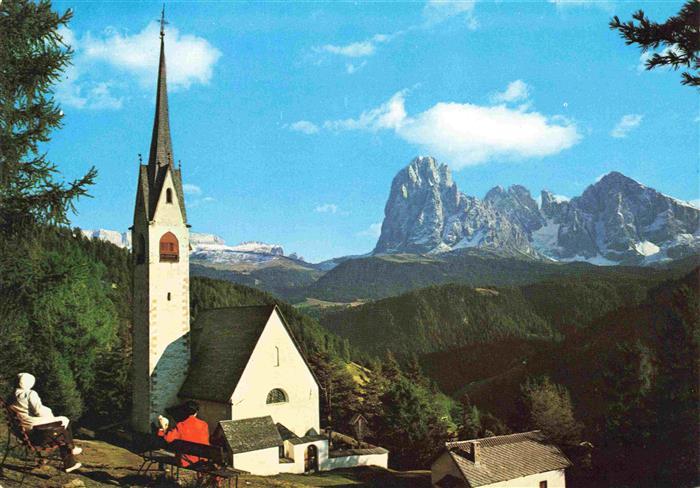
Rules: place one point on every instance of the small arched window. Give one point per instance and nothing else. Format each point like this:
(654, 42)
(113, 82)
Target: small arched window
(169, 248)
(277, 356)
(140, 249)
(168, 196)
(277, 396)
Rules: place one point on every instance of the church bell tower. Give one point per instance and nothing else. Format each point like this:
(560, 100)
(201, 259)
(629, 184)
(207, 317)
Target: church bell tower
(161, 286)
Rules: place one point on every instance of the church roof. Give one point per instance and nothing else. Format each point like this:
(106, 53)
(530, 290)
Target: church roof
(223, 340)
(288, 435)
(250, 434)
(160, 158)
(506, 457)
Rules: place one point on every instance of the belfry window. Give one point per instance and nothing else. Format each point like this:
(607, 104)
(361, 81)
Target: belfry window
(277, 396)
(168, 196)
(277, 356)
(169, 248)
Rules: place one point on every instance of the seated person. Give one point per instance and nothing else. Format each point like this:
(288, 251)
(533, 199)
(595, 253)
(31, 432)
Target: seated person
(191, 429)
(33, 415)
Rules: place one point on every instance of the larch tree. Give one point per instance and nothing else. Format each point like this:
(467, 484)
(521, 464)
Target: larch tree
(678, 38)
(33, 57)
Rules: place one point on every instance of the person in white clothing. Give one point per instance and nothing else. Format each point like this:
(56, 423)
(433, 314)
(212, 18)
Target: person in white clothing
(33, 415)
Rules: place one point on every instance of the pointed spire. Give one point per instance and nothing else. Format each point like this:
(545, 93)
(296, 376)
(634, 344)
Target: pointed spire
(161, 146)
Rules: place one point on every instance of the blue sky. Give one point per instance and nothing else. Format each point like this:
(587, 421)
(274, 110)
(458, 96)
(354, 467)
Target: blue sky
(291, 119)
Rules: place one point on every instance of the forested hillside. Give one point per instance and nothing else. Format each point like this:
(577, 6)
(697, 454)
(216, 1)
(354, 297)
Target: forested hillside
(632, 375)
(377, 277)
(444, 317)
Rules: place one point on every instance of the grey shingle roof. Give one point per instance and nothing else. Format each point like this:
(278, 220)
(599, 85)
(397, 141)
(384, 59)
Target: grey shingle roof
(507, 457)
(288, 435)
(449, 481)
(250, 434)
(222, 341)
(285, 433)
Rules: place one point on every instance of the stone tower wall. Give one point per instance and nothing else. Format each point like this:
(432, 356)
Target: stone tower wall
(161, 351)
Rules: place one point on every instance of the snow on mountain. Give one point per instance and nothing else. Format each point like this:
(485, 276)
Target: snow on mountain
(214, 250)
(426, 213)
(120, 239)
(208, 248)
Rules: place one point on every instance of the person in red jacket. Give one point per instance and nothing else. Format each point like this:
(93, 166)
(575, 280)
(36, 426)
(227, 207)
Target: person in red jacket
(191, 429)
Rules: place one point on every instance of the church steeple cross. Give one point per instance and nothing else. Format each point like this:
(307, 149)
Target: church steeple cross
(163, 23)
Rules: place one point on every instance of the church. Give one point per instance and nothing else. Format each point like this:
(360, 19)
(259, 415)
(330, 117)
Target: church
(241, 364)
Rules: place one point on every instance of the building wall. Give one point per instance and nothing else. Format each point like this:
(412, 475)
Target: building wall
(443, 466)
(212, 412)
(264, 462)
(262, 374)
(554, 479)
(381, 460)
(161, 325)
(297, 452)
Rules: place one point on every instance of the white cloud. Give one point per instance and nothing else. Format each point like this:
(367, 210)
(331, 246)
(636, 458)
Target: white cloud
(352, 68)
(190, 59)
(88, 94)
(626, 124)
(326, 208)
(356, 49)
(110, 62)
(389, 115)
(191, 189)
(435, 12)
(647, 55)
(438, 11)
(466, 134)
(516, 91)
(374, 231)
(304, 126)
(606, 5)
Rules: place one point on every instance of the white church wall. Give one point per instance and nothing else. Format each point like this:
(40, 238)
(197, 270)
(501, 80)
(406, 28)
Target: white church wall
(443, 466)
(264, 373)
(298, 454)
(554, 479)
(353, 461)
(264, 462)
(169, 304)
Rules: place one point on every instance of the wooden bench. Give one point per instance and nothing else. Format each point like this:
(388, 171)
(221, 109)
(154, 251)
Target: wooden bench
(211, 467)
(20, 445)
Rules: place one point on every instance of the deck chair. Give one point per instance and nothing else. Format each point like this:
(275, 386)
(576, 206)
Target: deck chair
(20, 445)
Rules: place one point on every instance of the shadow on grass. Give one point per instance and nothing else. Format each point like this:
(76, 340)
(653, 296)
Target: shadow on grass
(367, 477)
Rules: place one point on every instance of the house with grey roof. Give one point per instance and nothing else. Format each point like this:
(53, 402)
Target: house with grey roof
(523, 460)
(241, 364)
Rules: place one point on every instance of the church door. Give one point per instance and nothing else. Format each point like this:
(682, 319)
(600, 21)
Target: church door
(311, 459)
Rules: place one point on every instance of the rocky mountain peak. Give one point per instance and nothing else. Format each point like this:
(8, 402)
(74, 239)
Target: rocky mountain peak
(426, 212)
(615, 220)
(517, 204)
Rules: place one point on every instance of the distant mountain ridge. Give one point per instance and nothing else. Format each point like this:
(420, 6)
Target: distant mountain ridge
(208, 248)
(615, 221)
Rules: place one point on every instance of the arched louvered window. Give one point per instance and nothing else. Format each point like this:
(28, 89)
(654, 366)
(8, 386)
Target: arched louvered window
(140, 249)
(277, 396)
(169, 248)
(168, 196)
